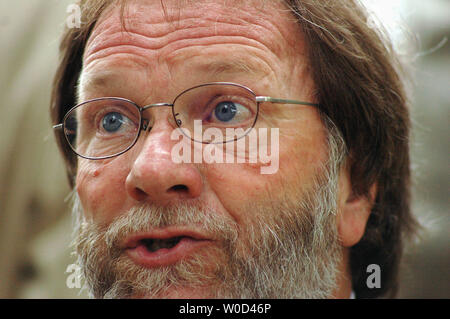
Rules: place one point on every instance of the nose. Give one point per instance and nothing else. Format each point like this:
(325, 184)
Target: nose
(154, 177)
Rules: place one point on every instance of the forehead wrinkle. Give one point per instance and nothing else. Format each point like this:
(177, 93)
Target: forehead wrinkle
(248, 11)
(110, 79)
(153, 32)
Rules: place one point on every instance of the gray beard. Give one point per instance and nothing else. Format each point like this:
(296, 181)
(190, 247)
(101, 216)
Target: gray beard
(291, 251)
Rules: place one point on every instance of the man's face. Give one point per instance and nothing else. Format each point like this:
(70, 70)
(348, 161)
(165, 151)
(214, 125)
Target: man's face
(197, 229)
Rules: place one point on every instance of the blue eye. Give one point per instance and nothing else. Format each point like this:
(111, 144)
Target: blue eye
(225, 111)
(112, 121)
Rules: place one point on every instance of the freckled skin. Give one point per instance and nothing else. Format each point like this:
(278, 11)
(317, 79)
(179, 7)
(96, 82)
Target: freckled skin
(155, 60)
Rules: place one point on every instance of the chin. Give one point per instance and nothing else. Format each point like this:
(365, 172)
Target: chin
(182, 293)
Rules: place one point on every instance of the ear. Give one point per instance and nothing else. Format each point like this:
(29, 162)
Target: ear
(354, 211)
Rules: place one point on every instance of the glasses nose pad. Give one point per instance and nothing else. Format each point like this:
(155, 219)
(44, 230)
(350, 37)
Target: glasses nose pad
(145, 125)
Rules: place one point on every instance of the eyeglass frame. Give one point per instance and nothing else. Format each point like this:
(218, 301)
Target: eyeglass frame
(143, 123)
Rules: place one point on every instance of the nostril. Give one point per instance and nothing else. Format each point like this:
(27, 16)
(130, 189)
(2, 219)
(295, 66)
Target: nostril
(139, 193)
(179, 188)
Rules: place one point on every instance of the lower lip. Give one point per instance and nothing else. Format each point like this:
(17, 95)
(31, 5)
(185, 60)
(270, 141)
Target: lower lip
(165, 256)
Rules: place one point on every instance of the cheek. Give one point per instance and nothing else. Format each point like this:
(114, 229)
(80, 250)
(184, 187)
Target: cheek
(101, 188)
(241, 188)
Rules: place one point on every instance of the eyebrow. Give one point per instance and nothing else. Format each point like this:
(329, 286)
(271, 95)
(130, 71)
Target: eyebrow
(99, 80)
(231, 66)
(237, 65)
(215, 69)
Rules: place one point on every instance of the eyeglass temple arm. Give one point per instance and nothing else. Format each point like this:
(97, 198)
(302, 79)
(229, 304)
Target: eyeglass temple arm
(57, 126)
(282, 101)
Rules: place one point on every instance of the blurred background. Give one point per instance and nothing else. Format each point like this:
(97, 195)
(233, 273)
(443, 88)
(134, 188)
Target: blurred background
(35, 222)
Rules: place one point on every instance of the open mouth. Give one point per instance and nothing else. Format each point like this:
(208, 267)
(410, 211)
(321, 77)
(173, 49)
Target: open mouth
(154, 244)
(153, 251)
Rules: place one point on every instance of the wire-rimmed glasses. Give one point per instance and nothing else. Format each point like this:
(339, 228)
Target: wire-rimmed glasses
(109, 126)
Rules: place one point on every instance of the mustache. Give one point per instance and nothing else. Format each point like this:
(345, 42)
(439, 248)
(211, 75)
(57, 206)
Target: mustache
(147, 217)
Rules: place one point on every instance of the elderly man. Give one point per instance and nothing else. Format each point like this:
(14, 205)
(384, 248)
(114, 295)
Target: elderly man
(323, 84)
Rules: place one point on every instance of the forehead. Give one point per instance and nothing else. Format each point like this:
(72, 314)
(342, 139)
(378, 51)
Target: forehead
(156, 24)
(148, 45)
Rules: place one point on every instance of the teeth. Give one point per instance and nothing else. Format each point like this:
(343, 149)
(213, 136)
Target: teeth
(156, 244)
